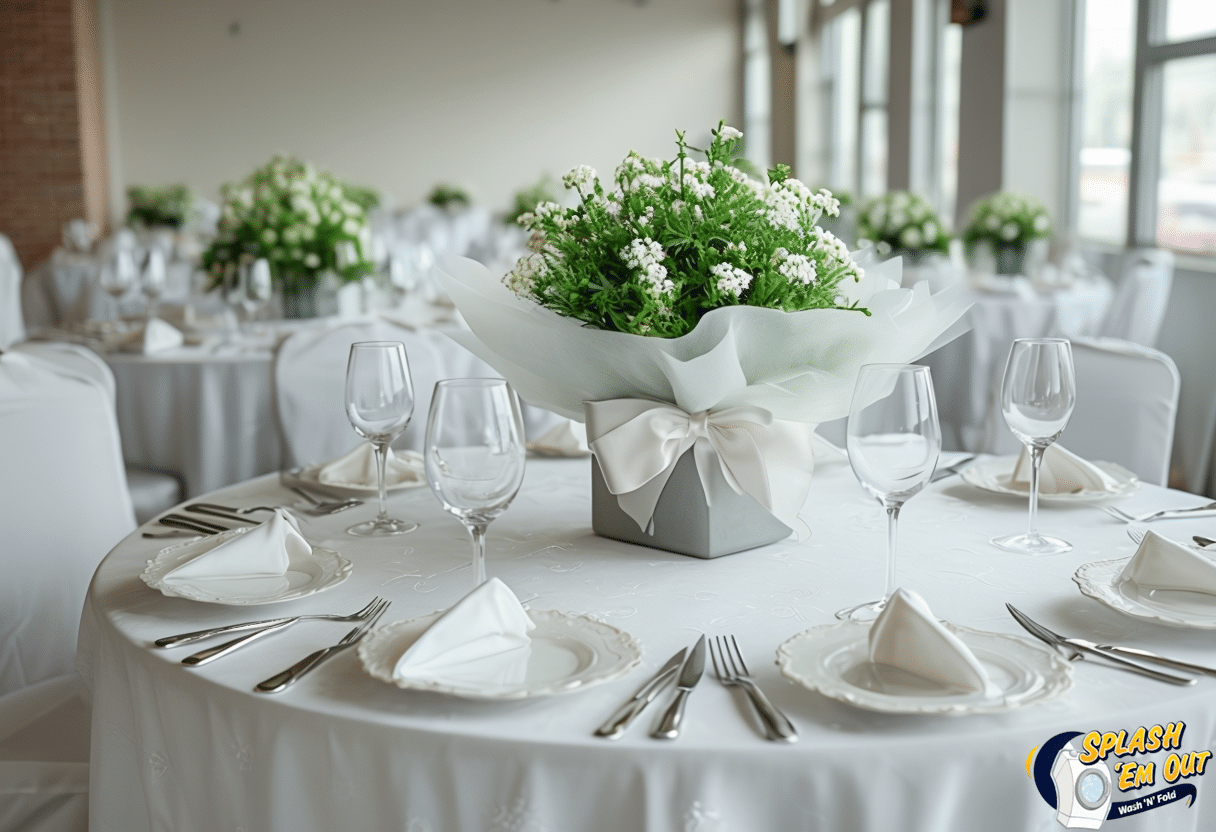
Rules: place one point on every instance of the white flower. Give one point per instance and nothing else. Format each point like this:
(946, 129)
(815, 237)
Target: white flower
(698, 213)
(898, 219)
(930, 231)
(699, 189)
(883, 248)
(730, 279)
(581, 179)
(1041, 223)
(311, 260)
(727, 133)
(521, 280)
(798, 268)
(910, 238)
(269, 237)
(644, 255)
(1009, 231)
(350, 226)
(993, 222)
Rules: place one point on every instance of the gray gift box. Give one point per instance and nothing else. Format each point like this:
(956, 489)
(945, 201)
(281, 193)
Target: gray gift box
(684, 522)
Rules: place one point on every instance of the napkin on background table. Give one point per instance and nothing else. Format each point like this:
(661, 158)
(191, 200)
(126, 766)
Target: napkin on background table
(1160, 563)
(482, 638)
(907, 636)
(358, 468)
(265, 551)
(155, 336)
(566, 439)
(1063, 472)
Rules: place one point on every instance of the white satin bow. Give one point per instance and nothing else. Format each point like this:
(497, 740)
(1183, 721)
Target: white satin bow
(638, 442)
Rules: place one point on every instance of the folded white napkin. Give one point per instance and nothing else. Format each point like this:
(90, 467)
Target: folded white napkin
(265, 551)
(567, 439)
(1063, 472)
(155, 336)
(907, 635)
(1163, 564)
(358, 469)
(482, 639)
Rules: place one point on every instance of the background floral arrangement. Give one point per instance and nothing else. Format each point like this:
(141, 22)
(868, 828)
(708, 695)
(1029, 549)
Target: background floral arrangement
(449, 197)
(171, 205)
(294, 216)
(675, 239)
(1005, 220)
(902, 221)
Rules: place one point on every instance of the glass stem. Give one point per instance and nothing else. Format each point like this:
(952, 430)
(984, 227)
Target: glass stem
(892, 529)
(1036, 459)
(381, 461)
(478, 532)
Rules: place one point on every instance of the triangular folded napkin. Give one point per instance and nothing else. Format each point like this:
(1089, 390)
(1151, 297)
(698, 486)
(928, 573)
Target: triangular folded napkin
(155, 336)
(1063, 472)
(907, 636)
(1163, 564)
(567, 439)
(265, 551)
(358, 469)
(483, 638)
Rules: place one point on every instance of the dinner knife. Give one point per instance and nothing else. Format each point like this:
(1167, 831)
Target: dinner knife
(614, 727)
(1055, 640)
(669, 726)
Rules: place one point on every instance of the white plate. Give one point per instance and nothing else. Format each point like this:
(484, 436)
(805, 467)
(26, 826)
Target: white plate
(834, 660)
(1175, 608)
(309, 476)
(994, 475)
(320, 570)
(569, 652)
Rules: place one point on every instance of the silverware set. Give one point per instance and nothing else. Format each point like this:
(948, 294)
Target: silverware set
(686, 669)
(191, 526)
(1166, 514)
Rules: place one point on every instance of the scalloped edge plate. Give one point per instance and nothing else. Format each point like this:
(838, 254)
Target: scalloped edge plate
(1027, 672)
(1098, 581)
(569, 653)
(306, 575)
(993, 475)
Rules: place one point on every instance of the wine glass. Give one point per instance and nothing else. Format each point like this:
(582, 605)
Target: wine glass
(894, 440)
(379, 403)
(475, 454)
(254, 289)
(152, 281)
(118, 274)
(1037, 398)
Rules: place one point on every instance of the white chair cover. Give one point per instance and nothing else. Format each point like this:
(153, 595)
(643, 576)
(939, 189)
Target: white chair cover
(1127, 398)
(44, 758)
(152, 492)
(63, 505)
(12, 324)
(1138, 309)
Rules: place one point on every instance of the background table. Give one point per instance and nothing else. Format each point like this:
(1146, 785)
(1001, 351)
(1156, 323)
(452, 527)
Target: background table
(197, 750)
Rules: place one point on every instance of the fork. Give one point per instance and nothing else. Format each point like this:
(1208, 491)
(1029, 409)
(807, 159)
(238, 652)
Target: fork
(732, 672)
(1194, 511)
(320, 507)
(1138, 534)
(284, 680)
(199, 635)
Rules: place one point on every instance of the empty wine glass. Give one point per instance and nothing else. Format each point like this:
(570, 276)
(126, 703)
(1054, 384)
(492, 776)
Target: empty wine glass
(475, 454)
(1037, 398)
(152, 281)
(379, 403)
(254, 289)
(894, 440)
(118, 274)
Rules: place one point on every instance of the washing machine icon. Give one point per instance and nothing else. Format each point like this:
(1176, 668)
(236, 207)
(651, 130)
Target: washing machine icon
(1083, 792)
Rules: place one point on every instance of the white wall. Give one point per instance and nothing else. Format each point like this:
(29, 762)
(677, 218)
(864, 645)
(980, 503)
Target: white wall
(401, 94)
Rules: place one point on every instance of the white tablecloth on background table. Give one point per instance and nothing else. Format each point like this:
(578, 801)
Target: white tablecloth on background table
(967, 372)
(180, 749)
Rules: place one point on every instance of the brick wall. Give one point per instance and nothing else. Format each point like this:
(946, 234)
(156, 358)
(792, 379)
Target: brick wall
(41, 178)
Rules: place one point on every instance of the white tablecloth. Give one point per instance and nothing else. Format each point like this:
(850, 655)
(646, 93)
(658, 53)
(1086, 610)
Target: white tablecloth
(967, 372)
(179, 749)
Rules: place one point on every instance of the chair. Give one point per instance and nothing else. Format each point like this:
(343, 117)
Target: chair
(63, 505)
(310, 387)
(12, 325)
(1127, 399)
(1137, 310)
(44, 758)
(152, 492)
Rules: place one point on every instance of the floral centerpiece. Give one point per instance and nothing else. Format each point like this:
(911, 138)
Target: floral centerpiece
(167, 207)
(297, 218)
(449, 197)
(902, 223)
(702, 325)
(1006, 227)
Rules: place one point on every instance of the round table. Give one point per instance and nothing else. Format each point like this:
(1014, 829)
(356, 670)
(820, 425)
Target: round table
(196, 749)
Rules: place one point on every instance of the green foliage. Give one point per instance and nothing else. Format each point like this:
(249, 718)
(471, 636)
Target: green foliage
(366, 198)
(449, 196)
(1007, 220)
(528, 198)
(674, 239)
(902, 221)
(294, 216)
(170, 205)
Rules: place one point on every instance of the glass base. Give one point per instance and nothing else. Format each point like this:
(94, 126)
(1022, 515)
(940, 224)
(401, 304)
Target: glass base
(1026, 544)
(382, 528)
(863, 613)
